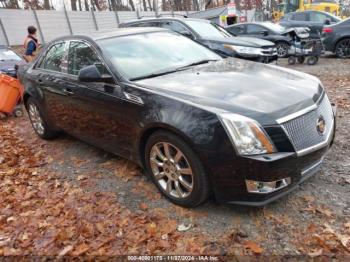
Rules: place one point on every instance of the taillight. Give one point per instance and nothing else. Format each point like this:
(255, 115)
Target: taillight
(327, 30)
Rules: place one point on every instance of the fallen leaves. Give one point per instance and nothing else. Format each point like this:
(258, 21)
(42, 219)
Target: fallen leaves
(253, 246)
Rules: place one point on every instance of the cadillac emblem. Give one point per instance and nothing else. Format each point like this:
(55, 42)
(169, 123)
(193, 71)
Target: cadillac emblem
(321, 125)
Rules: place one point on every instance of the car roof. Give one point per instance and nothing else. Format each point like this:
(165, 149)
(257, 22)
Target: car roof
(251, 23)
(180, 19)
(104, 34)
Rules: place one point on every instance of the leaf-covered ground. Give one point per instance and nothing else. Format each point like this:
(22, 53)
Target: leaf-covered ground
(64, 197)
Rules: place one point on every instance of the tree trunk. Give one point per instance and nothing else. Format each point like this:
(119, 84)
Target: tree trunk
(131, 2)
(150, 5)
(79, 2)
(86, 5)
(144, 5)
(73, 4)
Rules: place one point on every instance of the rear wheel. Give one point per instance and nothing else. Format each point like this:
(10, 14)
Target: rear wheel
(291, 60)
(342, 49)
(176, 170)
(312, 60)
(39, 122)
(282, 49)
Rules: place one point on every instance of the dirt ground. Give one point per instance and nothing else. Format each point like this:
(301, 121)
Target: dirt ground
(313, 220)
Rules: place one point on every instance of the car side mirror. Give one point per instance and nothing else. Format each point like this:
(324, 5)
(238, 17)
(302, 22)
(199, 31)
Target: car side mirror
(264, 32)
(187, 34)
(92, 74)
(327, 21)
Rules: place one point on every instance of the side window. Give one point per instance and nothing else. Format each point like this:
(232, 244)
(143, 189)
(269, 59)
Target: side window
(53, 58)
(317, 17)
(145, 24)
(299, 17)
(236, 30)
(175, 26)
(80, 55)
(253, 29)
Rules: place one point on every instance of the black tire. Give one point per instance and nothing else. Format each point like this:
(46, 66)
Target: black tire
(47, 131)
(301, 59)
(312, 60)
(282, 49)
(201, 188)
(342, 49)
(292, 60)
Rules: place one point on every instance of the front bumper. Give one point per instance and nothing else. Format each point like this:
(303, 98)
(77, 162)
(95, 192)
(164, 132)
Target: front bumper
(230, 184)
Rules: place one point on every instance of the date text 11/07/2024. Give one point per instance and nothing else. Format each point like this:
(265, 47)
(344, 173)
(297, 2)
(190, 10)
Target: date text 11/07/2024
(173, 258)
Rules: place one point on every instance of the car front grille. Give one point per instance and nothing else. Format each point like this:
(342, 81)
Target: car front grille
(303, 132)
(269, 50)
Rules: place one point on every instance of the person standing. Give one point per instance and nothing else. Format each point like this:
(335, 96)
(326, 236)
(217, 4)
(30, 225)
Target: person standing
(31, 44)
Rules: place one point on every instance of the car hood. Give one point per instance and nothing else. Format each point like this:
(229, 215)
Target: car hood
(241, 41)
(259, 91)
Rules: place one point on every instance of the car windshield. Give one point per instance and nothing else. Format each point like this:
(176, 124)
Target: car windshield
(6, 54)
(275, 28)
(205, 29)
(145, 55)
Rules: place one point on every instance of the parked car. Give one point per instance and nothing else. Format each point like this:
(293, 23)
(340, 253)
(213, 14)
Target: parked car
(199, 124)
(336, 38)
(9, 60)
(267, 31)
(315, 20)
(214, 37)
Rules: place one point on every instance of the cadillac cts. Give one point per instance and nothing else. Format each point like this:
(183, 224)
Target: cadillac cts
(245, 132)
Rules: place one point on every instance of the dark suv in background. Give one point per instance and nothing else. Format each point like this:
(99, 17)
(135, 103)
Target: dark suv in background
(214, 37)
(315, 20)
(336, 38)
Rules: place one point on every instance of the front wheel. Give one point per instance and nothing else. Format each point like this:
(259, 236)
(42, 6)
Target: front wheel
(312, 60)
(176, 170)
(342, 49)
(282, 49)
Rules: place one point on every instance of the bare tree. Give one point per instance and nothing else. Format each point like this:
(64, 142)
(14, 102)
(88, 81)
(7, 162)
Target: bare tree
(131, 2)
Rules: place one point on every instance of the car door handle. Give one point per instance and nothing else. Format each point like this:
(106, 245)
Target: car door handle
(68, 91)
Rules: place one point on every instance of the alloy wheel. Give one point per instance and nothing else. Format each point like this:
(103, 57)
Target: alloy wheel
(171, 170)
(343, 48)
(282, 50)
(36, 119)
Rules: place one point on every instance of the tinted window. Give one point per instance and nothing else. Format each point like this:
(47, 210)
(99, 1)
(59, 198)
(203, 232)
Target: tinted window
(252, 29)
(145, 24)
(54, 57)
(205, 29)
(141, 55)
(236, 30)
(174, 26)
(299, 17)
(80, 55)
(317, 17)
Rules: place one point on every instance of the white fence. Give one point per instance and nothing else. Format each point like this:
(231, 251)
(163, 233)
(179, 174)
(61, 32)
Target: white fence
(52, 24)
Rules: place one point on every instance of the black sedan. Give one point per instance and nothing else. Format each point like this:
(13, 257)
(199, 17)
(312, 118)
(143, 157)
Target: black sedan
(9, 60)
(199, 124)
(267, 31)
(336, 38)
(315, 20)
(214, 37)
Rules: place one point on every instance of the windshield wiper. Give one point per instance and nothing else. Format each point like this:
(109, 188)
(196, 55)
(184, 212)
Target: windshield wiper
(197, 63)
(153, 75)
(173, 70)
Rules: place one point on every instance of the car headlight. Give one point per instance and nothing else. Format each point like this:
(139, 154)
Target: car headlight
(244, 49)
(247, 135)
